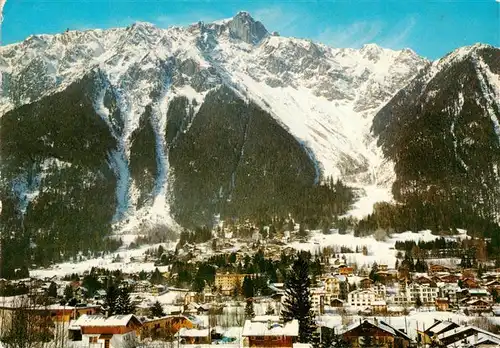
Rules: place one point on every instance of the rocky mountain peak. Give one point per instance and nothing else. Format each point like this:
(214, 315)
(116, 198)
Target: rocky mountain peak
(244, 27)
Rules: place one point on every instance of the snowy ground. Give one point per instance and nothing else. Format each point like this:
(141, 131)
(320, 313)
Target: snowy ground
(369, 195)
(126, 265)
(382, 252)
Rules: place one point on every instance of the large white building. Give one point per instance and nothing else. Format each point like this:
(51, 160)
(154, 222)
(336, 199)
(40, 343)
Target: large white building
(426, 293)
(361, 298)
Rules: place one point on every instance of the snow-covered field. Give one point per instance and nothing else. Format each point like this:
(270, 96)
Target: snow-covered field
(382, 252)
(126, 265)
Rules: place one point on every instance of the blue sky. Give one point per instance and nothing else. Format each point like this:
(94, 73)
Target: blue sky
(431, 28)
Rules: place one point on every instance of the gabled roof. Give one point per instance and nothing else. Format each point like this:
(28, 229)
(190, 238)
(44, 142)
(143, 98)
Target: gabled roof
(448, 335)
(380, 325)
(440, 326)
(101, 321)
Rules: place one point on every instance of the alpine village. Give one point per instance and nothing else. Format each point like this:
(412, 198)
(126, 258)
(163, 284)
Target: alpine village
(155, 192)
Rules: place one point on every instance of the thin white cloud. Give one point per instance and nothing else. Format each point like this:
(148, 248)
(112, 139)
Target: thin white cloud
(399, 35)
(354, 35)
(277, 19)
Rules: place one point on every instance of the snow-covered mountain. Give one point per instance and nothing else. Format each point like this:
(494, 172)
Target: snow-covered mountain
(443, 133)
(324, 97)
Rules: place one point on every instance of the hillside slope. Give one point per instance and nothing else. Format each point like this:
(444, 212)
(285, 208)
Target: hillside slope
(443, 133)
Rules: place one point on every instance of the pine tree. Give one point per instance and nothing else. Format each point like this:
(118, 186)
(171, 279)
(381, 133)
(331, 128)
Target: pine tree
(110, 302)
(52, 290)
(248, 287)
(298, 299)
(249, 311)
(157, 277)
(302, 230)
(373, 273)
(123, 303)
(157, 310)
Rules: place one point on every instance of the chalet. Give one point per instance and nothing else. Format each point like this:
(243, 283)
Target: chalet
(270, 334)
(438, 268)
(166, 326)
(346, 271)
(442, 304)
(379, 307)
(194, 336)
(380, 332)
(478, 306)
(478, 293)
(113, 332)
(366, 283)
(469, 283)
(465, 334)
(493, 284)
(424, 280)
(450, 278)
(431, 334)
(336, 303)
(60, 313)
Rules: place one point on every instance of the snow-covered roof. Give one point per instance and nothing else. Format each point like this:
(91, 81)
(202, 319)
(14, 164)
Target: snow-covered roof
(100, 320)
(253, 328)
(461, 329)
(381, 325)
(185, 332)
(478, 292)
(440, 326)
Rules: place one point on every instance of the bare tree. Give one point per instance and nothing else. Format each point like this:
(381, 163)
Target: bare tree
(28, 326)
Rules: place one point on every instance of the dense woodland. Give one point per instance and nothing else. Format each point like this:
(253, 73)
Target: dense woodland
(62, 136)
(443, 142)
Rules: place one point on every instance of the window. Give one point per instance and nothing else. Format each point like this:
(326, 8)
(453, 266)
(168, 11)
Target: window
(93, 339)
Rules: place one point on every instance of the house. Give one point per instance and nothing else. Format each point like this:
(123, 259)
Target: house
(429, 335)
(229, 281)
(361, 298)
(465, 334)
(194, 336)
(114, 332)
(346, 271)
(332, 284)
(469, 283)
(381, 334)
(166, 326)
(478, 306)
(478, 293)
(379, 289)
(438, 268)
(450, 278)
(379, 307)
(449, 291)
(365, 283)
(336, 303)
(270, 333)
(442, 304)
